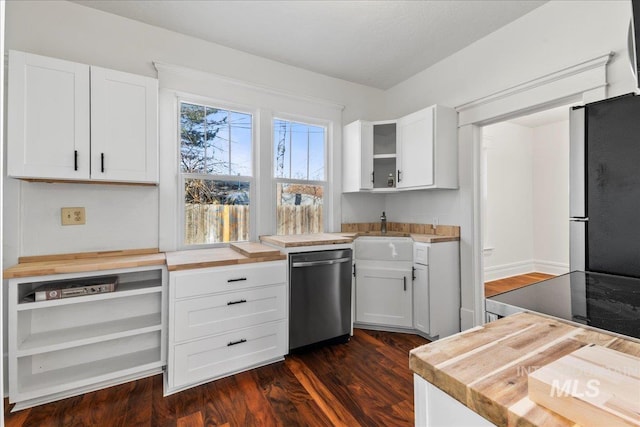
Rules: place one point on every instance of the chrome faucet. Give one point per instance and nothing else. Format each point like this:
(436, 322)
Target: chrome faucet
(383, 223)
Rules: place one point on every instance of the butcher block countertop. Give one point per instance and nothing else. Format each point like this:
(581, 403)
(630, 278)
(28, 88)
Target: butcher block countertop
(486, 368)
(83, 262)
(241, 253)
(297, 240)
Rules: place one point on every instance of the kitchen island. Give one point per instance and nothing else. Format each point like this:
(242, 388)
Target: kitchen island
(486, 370)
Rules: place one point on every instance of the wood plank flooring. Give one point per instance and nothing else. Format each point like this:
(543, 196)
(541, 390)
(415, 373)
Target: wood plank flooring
(503, 285)
(366, 382)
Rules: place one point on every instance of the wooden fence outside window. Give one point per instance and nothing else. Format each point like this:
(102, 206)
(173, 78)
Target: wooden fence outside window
(207, 223)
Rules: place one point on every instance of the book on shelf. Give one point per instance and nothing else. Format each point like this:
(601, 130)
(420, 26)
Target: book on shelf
(72, 288)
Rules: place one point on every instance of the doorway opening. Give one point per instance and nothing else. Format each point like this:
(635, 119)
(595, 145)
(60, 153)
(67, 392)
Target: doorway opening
(524, 176)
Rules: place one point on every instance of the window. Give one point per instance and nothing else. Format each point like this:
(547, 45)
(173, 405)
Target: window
(216, 174)
(299, 171)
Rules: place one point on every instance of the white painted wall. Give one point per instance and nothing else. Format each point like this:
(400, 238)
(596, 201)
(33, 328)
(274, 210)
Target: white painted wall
(508, 218)
(551, 197)
(526, 174)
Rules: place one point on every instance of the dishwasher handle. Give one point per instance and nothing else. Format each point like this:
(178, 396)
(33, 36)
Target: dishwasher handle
(324, 262)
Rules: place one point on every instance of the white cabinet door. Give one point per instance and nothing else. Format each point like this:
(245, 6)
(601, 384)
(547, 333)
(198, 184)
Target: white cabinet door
(48, 118)
(421, 311)
(416, 149)
(357, 156)
(124, 126)
(383, 296)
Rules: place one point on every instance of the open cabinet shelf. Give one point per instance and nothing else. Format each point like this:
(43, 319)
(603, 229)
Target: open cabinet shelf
(64, 347)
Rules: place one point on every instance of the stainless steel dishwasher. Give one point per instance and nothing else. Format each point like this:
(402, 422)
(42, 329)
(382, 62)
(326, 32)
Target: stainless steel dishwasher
(320, 297)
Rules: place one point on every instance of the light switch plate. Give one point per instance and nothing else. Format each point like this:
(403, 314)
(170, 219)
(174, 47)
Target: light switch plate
(73, 216)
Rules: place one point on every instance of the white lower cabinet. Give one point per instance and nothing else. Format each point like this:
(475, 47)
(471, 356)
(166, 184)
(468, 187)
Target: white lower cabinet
(436, 288)
(435, 408)
(224, 320)
(64, 347)
(383, 294)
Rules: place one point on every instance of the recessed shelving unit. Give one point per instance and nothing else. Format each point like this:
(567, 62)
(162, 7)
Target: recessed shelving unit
(63, 347)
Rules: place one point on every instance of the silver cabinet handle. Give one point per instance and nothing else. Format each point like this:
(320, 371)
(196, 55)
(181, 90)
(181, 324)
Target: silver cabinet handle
(315, 263)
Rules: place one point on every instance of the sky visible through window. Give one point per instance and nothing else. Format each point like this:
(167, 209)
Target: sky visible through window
(298, 150)
(215, 141)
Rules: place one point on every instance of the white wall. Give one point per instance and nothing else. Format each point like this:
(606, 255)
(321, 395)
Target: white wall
(508, 206)
(551, 197)
(69, 31)
(526, 209)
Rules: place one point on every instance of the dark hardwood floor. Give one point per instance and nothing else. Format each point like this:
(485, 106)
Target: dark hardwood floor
(503, 285)
(366, 382)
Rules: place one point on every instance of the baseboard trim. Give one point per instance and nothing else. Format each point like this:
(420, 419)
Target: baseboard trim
(550, 267)
(508, 270)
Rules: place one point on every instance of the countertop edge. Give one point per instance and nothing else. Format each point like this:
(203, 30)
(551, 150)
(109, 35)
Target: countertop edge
(472, 395)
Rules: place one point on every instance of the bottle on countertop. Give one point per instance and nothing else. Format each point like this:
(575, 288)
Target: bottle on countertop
(383, 223)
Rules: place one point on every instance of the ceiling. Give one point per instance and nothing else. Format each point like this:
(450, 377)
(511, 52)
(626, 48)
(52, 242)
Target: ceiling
(374, 43)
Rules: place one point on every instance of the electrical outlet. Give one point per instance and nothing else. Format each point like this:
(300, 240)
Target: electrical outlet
(73, 216)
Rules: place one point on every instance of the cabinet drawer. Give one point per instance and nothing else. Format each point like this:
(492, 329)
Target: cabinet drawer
(215, 314)
(226, 279)
(198, 361)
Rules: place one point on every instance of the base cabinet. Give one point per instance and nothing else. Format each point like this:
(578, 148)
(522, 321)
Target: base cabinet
(435, 408)
(224, 320)
(65, 347)
(383, 295)
(436, 288)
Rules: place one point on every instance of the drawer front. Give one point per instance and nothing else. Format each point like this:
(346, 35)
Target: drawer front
(216, 314)
(227, 279)
(209, 358)
(421, 253)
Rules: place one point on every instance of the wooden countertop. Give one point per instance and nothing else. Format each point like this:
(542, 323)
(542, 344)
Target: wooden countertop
(203, 258)
(296, 240)
(79, 263)
(485, 368)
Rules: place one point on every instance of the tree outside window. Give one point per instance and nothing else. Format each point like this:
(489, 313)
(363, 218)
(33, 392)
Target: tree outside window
(216, 169)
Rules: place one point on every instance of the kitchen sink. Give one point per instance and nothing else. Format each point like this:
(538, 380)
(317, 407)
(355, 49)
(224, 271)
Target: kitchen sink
(384, 248)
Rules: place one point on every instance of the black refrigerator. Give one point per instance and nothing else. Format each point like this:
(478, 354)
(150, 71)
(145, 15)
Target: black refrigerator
(605, 186)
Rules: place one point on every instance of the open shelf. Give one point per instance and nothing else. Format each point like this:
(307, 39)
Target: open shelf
(384, 156)
(88, 334)
(125, 289)
(84, 374)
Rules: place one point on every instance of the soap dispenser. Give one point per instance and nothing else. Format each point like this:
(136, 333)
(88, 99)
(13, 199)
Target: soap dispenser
(383, 223)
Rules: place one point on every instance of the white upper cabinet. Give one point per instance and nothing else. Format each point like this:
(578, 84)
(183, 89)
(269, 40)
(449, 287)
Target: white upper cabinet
(357, 157)
(418, 151)
(69, 121)
(124, 131)
(48, 118)
(428, 149)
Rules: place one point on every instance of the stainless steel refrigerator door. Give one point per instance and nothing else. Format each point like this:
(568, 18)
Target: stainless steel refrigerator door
(577, 176)
(577, 245)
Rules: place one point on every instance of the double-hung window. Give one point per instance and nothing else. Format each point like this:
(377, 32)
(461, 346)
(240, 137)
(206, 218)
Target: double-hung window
(300, 176)
(216, 174)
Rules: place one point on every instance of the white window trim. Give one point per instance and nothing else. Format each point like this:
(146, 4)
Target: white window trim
(253, 205)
